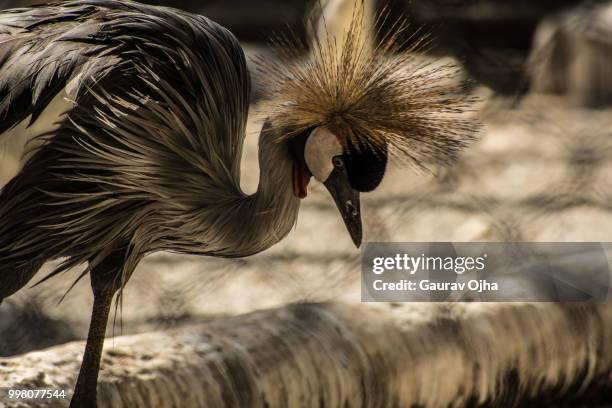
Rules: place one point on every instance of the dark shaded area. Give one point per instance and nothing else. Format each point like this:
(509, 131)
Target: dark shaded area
(249, 20)
(491, 38)
(477, 23)
(25, 327)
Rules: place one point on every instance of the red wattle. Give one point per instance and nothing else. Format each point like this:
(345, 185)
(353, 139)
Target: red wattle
(301, 178)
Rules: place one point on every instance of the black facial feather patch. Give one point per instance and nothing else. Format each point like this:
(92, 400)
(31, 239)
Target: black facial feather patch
(366, 168)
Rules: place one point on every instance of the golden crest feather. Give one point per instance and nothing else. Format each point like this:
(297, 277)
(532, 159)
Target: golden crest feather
(373, 94)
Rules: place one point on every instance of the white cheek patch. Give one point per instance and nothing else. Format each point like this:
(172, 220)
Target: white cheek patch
(321, 146)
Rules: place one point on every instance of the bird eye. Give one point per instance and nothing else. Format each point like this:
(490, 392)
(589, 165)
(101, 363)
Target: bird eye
(337, 161)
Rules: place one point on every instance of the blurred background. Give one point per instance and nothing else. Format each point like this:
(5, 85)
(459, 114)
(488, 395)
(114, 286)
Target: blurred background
(492, 37)
(542, 71)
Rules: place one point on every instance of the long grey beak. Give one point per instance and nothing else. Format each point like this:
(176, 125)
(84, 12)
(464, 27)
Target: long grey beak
(347, 201)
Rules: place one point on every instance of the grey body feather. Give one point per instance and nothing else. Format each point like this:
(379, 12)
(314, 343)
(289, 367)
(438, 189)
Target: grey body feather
(148, 159)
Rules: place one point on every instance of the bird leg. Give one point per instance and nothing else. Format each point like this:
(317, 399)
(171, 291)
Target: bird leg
(104, 280)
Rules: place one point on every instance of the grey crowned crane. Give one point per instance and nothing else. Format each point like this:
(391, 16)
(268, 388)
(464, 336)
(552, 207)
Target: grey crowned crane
(145, 152)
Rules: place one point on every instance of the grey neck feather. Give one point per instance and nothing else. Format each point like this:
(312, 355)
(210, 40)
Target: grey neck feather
(254, 223)
(273, 209)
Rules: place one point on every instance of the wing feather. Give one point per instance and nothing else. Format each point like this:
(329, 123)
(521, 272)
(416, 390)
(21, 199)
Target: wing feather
(43, 48)
(162, 100)
(35, 63)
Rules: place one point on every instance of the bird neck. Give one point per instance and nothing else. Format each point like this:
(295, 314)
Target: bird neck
(268, 215)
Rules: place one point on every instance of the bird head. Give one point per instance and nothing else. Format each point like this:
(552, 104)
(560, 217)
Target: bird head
(344, 170)
(348, 106)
